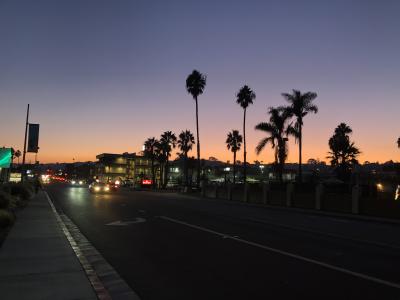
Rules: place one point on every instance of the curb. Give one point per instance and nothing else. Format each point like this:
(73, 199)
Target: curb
(105, 281)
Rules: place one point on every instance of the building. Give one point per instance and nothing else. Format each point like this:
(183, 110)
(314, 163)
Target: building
(129, 167)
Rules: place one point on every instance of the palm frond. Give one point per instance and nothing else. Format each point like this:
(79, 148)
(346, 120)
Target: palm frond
(261, 145)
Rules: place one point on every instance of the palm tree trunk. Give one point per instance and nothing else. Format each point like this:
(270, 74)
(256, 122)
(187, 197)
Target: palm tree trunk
(234, 167)
(244, 147)
(161, 174)
(186, 171)
(166, 169)
(198, 144)
(300, 154)
(153, 176)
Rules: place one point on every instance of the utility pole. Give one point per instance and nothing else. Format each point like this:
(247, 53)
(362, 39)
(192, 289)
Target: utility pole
(26, 133)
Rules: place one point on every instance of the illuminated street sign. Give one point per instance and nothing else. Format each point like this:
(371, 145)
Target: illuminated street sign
(5, 157)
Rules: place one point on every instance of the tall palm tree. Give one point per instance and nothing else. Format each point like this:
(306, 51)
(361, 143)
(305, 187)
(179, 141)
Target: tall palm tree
(150, 151)
(244, 98)
(299, 106)
(17, 154)
(233, 142)
(278, 129)
(168, 141)
(398, 142)
(195, 84)
(185, 144)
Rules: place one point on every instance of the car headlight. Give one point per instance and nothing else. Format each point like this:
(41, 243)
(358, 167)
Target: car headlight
(97, 188)
(73, 181)
(106, 188)
(81, 182)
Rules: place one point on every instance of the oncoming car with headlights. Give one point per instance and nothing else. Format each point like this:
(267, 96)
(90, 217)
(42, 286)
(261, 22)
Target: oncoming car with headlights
(99, 187)
(77, 182)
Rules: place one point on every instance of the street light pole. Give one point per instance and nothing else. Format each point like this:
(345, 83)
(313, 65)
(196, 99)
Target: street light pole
(26, 133)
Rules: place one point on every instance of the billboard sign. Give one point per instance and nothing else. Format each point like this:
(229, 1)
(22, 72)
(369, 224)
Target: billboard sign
(5, 157)
(15, 177)
(33, 138)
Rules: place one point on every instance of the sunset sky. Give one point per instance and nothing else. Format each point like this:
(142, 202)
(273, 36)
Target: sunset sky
(103, 76)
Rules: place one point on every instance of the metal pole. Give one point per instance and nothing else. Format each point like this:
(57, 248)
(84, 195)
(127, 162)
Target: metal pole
(26, 133)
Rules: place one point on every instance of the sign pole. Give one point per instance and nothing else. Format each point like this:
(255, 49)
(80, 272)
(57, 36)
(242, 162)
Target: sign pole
(26, 133)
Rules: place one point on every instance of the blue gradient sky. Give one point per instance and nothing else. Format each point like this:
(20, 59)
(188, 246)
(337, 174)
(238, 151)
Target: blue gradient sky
(102, 76)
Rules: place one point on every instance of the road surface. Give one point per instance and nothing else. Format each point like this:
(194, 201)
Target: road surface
(169, 246)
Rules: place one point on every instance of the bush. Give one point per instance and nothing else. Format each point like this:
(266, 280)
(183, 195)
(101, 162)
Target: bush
(5, 200)
(23, 191)
(16, 202)
(6, 218)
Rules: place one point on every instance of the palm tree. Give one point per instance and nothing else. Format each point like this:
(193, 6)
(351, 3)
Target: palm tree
(167, 141)
(195, 84)
(17, 154)
(244, 98)
(150, 151)
(300, 106)
(278, 130)
(233, 142)
(185, 144)
(161, 158)
(343, 152)
(398, 142)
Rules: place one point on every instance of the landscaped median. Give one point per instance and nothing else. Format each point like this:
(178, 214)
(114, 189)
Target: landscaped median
(13, 196)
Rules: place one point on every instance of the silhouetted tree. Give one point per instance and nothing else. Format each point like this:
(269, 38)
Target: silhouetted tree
(185, 144)
(195, 84)
(300, 106)
(150, 150)
(167, 141)
(398, 142)
(244, 98)
(233, 142)
(278, 130)
(160, 152)
(17, 154)
(343, 154)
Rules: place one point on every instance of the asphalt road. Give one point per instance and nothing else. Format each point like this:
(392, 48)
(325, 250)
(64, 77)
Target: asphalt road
(179, 247)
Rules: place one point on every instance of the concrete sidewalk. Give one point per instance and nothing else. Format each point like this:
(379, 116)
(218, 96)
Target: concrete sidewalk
(37, 261)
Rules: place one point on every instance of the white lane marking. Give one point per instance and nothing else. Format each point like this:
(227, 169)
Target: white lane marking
(333, 235)
(295, 256)
(126, 223)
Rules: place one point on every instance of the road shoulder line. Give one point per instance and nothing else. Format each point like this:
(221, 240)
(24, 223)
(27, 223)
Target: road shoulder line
(288, 254)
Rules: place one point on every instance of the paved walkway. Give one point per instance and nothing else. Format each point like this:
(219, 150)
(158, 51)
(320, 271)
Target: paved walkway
(37, 261)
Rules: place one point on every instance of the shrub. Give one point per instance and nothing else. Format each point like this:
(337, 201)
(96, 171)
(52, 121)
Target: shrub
(5, 200)
(24, 191)
(16, 202)
(6, 218)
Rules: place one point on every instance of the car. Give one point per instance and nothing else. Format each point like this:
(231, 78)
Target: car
(99, 187)
(77, 182)
(114, 186)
